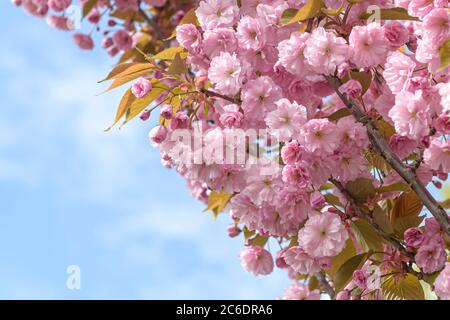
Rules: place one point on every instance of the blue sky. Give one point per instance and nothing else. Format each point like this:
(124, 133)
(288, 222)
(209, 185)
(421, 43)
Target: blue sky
(73, 195)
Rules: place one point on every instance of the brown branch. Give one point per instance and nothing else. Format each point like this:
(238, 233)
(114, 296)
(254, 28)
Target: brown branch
(381, 146)
(363, 215)
(325, 284)
(218, 95)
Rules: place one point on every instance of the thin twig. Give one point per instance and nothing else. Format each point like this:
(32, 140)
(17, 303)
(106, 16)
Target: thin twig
(325, 284)
(218, 95)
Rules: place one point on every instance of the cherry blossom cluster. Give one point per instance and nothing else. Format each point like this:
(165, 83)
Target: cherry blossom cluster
(317, 125)
(268, 76)
(118, 22)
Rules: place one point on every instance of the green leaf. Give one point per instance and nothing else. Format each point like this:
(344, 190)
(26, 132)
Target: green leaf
(170, 54)
(395, 187)
(247, 233)
(88, 6)
(310, 10)
(345, 272)
(404, 223)
(341, 113)
(396, 287)
(391, 14)
(444, 53)
(381, 218)
(361, 190)
(408, 204)
(288, 15)
(259, 240)
(366, 236)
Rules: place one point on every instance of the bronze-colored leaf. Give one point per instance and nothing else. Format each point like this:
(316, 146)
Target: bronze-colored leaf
(217, 201)
(345, 272)
(444, 53)
(397, 287)
(361, 190)
(408, 204)
(391, 14)
(311, 9)
(124, 105)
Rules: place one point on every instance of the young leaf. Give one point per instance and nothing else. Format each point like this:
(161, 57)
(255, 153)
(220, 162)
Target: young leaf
(170, 54)
(287, 16)
(310, 10)
(404, 223)
(381, 218)
(408, 204)
(88, 6)
(259, 240)
(396, 287)
(124, 105)
(337, 261)
(217, 201)
(124, 69)
(395, 187)
(341, 113)
(361, 189)
(366, 235)
(178, 65)
(391, 14)
(345, 272)
(444, 53)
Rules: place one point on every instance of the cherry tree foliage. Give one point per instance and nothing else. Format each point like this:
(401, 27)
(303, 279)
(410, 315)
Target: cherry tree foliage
(318, 126)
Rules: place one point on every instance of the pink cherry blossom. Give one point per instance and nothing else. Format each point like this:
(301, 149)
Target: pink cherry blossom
(286, 119)
(83, 41)
(189, 37)
(291, 53)
(368, 45)
(442, 283)
(297, 291)
(225, 73)
(323, 235)
(431, 257)
(141, 87)
(122, 40)
(250, 34)
(217, 13)
(319, 136)
(325, 51)
(257, 260)
(410, 114)
(352, 89)
(437, 155)
(414, 237)
(398, 71)
(291, 152)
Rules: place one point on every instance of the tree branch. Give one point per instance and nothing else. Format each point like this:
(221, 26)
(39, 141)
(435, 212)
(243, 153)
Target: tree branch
(218, 95)
(381, 146)
(325, 284)
(361, 214)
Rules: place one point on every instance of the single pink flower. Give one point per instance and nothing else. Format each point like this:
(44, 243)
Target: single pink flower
(257, 260)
